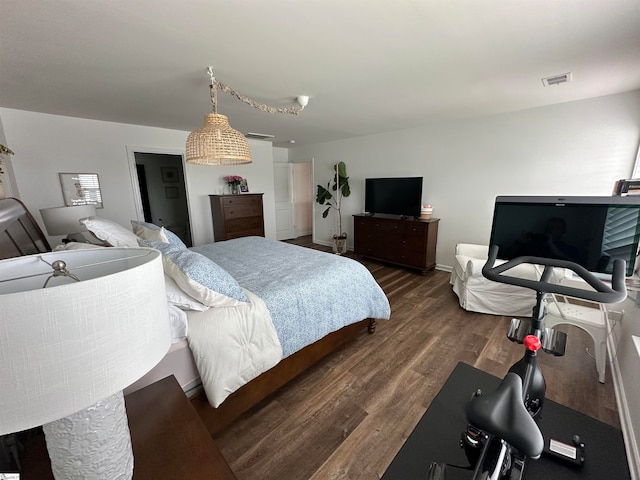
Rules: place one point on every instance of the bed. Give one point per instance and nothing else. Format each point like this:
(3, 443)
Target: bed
(279, 282)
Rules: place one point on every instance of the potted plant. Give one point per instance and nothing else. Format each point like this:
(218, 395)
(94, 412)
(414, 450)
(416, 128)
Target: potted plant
(339, 185)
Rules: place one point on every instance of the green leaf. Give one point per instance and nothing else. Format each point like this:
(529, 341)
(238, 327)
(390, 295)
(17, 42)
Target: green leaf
(323, 195)
(326, 212)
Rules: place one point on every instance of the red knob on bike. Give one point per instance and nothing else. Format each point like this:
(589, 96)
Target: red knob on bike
(532, 343)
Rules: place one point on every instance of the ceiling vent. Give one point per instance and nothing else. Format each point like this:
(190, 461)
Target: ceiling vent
(557, 79)
(259, 136)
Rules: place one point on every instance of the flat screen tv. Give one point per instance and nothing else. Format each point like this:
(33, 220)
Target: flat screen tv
(394, 196)
(590, 231)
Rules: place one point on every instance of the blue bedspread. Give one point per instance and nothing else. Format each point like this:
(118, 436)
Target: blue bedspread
(308, 293)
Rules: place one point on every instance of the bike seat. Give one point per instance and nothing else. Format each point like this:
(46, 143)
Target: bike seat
(502, 414)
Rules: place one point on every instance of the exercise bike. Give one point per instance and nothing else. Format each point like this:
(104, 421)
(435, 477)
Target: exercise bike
(502, 433)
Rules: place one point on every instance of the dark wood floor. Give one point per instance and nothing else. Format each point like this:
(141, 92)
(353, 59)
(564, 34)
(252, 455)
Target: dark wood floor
(348, 416)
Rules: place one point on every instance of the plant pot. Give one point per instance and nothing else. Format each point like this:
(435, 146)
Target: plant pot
(340, 244)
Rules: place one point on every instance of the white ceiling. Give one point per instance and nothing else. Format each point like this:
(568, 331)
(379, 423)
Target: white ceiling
(368, 65)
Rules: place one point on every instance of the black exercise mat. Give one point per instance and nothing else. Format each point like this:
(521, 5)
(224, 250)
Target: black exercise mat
(437, 437)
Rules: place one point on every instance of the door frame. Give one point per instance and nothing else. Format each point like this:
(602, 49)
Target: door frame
(137, 197)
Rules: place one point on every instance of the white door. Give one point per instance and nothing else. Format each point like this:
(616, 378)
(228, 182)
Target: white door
(302, 198)
(284, 205)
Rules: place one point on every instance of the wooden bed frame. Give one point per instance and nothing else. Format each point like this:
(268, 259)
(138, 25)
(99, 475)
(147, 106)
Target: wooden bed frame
(20, 235)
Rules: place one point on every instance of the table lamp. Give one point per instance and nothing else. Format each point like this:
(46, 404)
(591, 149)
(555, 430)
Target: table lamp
(66, 221)
(78, 326)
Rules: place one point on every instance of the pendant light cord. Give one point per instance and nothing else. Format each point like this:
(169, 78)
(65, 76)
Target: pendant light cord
(214, 85)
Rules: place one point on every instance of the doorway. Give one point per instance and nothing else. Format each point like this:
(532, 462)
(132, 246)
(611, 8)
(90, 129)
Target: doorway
(293, 196)
(163, 193)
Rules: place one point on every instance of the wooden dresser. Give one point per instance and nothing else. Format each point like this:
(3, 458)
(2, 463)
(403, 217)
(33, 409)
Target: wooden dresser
(410, 243)
(237, 216)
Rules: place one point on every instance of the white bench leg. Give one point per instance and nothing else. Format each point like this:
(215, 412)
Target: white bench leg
(601, 358)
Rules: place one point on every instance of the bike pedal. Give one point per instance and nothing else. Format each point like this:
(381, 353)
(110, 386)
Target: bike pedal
(554, 342)
(518, 329)
(572, 454)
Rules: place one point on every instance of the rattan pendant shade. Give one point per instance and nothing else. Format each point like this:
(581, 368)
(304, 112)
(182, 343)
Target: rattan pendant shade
(216, 143)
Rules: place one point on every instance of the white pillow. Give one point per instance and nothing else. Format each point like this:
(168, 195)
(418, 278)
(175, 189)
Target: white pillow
(177, 297)
(151, 231)
(110, 232)
(145, 232)
(177, 323)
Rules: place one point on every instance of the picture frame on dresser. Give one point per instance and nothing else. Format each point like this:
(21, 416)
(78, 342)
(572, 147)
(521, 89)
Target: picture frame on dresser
(244, 187)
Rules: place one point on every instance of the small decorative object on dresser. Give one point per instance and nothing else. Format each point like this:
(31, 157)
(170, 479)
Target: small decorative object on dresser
(237, 216)
(426, 212)
(234, 182)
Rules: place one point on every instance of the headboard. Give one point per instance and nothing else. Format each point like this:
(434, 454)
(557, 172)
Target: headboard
(19, 232)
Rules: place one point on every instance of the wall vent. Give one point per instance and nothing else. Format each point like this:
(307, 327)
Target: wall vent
(556, 79)
(259, 136)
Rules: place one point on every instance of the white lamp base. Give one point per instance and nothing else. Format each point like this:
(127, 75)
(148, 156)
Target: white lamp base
(93, 443)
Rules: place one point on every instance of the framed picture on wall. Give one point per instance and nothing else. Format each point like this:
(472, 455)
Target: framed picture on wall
(80, 189)
(244, 187)
(169, 174)
(171, 192)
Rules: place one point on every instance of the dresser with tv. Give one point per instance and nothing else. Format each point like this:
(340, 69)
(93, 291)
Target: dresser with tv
(401, 241)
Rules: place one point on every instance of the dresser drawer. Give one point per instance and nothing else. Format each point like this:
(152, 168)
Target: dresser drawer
(241, 211)
(244, 225)
(405, 257)
(415, 229)
(245, 200)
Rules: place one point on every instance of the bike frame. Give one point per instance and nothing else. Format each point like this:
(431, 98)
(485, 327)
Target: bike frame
(602, 293)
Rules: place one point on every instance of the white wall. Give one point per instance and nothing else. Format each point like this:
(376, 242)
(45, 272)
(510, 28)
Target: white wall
(624, 367)
(280, 155)
(45, 145)
(576, 148)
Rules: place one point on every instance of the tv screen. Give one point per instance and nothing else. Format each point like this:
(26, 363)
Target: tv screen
(590, 231)
(394, 196)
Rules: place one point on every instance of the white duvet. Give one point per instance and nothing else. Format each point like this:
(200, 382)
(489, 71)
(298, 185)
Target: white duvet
(232, 345)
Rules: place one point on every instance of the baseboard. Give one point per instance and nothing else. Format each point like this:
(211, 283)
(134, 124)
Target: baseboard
(630, 444)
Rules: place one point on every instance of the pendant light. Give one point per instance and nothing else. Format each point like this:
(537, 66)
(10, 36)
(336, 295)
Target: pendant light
(216, 143)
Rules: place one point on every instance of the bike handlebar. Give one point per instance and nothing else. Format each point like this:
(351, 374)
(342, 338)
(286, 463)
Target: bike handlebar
(603, 293)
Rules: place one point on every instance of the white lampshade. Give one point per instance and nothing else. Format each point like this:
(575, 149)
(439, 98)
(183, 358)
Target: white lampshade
(66, 220)
(70, 345)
